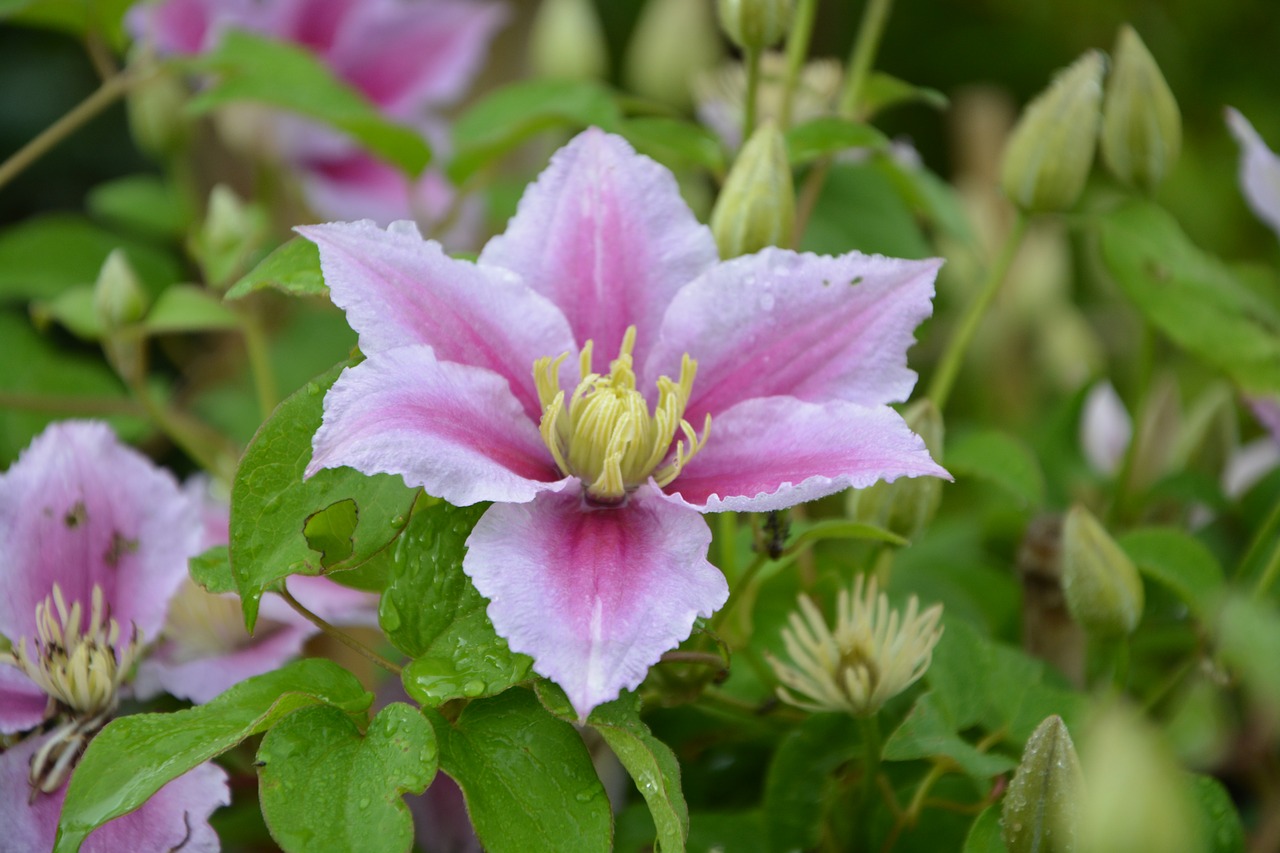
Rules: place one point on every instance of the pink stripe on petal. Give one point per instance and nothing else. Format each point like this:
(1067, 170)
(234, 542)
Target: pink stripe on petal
(1259, 171)
(22, 702)
(779, 323)
(453, 429)
(777, 452)
(604, 234)
(176, 818)
(400, 290)
(595, 596)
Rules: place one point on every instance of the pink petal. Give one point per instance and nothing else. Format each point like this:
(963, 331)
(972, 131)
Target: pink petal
(1105, 429)
(22, 702)
(1267, 411)
(400, 290)
(454, 429)
(604, 234)
(774, 453)
(176, 818)
(779, 323)
(1259, 171)
(594, 595)
(78, 509)
(193, 26)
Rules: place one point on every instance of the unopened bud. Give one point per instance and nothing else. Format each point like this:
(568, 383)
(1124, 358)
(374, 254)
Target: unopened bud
(673, 41)
(1141, 125)
(757, 206)
(567, 41)
(231, 231)
(1102, 585)
(755, 24)
(1042, 807)
(1050, 152)
(157, 119)
(907, 504)
(118, 296)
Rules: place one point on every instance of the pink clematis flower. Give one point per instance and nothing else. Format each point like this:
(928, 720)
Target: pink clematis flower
(539, 378)
(409, 57)
(96, 542)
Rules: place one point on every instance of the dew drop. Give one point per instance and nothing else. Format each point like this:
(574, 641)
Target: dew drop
(473, 688)
(313, 388)
(364, 802)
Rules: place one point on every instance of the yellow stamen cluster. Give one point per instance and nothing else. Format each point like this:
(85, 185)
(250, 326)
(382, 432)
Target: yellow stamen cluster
(604, 434)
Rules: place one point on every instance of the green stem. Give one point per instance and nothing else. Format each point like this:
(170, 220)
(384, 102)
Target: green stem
(104, 96)
(949, 366)
(873, 748)
(740, 590)
(797, 52)
(875, 15)
(207, 448)
(255, 345)
(339, 635)
(752, 60)
(727, 536)
(1268, 534)
(71, 405)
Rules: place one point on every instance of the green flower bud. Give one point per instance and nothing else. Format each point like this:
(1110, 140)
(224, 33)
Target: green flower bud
(673, 41)
(567, 41)
(1141, 125)
(1102, 586)
(1050, 151)
(118, 296)
(757, 206)
(906, 505)
(755, 24)
(231, 232)
(1042, 807)
(155, 109)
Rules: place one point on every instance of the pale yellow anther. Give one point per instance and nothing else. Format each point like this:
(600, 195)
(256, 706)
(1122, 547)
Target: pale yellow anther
(605, 434)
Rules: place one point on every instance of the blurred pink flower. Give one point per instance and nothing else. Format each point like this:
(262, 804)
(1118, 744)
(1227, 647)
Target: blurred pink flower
(1105, 429)
(593, 554)
(409, 57)
(1259, 170)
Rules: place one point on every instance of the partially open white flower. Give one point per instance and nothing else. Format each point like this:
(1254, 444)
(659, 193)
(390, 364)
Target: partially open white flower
(872, 655)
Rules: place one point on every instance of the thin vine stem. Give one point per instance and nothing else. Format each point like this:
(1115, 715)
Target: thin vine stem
(752, 98)
(797, 51)
(875, 16)
(339, 635)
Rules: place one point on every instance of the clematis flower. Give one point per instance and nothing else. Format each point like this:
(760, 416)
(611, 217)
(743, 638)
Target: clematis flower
(603, 379)
(410, 58)
(96, 542)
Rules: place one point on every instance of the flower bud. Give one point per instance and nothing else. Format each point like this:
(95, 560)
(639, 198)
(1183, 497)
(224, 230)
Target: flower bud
(157, 119)
(567, 41)
(906, 505)
(1141, 125)
(673, 41)
(755, 24)
(757, 206)
(231, 232)
(1102, 586)
(1042, 807)
(118, 296)
(1050, 151)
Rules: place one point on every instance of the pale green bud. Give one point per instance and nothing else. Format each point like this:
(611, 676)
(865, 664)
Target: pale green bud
(757, 206)
(155, 109)
(229, 235)
(674, 40)
(567, 41)
(907, 504)
(755, 24)
(1102, 585)
(1141, 125)
(1050, 151)
(1042, 806)
(118, 296)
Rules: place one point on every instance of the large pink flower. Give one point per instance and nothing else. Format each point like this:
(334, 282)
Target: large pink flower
(409, 57)
(537, 378)
(96, 541)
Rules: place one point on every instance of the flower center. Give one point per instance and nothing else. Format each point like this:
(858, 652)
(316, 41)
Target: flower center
(208, 624)
(605, 435)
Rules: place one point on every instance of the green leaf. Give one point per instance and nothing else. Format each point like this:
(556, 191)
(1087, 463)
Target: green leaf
(77, 19)
(134, 756)
(828, 135)
(144, 204)
(929, 732)
(1179, 561)
(294, 268)
(189, 308)
(212, 570)
(984, 835)
(958, 673)
(675, 143)
(517, 112)
(431, 611)
(1248, 639)
(860, 208)
(74, 309)
(800, 784)
(884, 91)
(1220, 824)
(998, 458)
(270, 502)
(331, 531)
(325, 788)
(250, 67)
(1192, 297)
(527, 778)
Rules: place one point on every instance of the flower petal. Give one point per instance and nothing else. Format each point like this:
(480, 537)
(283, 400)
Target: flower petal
(604, 234)
(454, 429)
(594, 595)
(1105, 429)
(176, 818)
(79, 508)
(1267, 411)
(22, 702)
(400, 290)
(779, 323)
(1259, 171)
(777, 452)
